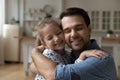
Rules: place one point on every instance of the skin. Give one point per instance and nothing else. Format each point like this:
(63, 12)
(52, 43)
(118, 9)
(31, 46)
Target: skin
(77, 33)
(53, 38)
(44, 66)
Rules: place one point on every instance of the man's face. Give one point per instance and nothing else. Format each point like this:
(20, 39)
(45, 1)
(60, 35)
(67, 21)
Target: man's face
(77, 33)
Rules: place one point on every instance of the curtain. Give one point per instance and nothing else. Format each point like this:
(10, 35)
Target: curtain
(2, 21)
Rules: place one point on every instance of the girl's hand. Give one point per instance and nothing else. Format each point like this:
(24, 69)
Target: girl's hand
(38, 46)
(94, 53)
(38, 50)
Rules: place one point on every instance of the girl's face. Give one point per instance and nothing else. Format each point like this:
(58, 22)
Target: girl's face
(53, 37)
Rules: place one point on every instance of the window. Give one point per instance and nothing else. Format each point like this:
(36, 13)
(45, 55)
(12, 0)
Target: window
(116, 20)
(104, 20)
(95, 19)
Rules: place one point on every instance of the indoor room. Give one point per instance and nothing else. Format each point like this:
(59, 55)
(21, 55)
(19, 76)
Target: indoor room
(18, 19)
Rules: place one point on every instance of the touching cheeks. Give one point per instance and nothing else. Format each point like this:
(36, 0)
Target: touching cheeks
(77, 33)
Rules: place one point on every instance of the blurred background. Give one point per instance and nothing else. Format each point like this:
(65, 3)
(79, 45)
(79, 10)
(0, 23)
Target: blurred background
(17, 31)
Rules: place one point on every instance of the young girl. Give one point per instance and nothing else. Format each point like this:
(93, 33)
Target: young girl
(50, 35)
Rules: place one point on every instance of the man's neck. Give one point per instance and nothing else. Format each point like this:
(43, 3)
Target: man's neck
(78, 52)
(61, 52)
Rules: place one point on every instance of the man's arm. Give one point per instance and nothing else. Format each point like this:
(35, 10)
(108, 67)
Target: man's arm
(33, 68)
(45, 66)
(92, 68)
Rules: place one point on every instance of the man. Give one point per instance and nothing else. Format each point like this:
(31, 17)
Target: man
(76, 27)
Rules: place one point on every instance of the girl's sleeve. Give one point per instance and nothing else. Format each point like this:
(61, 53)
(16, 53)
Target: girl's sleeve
(52, 55)
(78, 61)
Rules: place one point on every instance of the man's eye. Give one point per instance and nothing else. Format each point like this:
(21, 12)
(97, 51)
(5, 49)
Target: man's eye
(78, 28)
(67, 31)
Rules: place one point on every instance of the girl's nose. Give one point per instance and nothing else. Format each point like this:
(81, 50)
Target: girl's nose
(56, 38)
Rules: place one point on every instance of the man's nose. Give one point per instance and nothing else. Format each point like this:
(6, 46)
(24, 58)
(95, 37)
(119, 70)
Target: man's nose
(73, 33)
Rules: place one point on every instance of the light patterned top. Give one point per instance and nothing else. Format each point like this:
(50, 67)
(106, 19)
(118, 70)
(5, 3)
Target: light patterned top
(51, 54)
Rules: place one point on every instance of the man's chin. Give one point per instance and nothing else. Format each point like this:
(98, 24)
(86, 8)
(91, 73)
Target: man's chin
(76, 48)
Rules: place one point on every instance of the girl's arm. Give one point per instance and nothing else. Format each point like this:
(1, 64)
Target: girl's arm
(94, 53)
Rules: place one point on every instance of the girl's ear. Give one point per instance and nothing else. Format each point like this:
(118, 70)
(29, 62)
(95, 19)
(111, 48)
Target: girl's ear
(38, 41)
(42, 43)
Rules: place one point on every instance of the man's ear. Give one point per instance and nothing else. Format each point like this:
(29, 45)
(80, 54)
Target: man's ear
(89, 29)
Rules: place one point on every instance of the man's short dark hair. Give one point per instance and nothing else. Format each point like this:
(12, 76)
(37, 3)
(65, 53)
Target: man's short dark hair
(76, 11)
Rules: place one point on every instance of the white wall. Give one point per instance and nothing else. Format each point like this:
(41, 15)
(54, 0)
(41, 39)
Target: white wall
(14, 7)
(2, 18)
(11, 10)
(39, 4)
(94, 4)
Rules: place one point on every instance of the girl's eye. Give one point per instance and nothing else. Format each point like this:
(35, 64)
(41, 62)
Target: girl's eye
(49, 38)
(59, 33)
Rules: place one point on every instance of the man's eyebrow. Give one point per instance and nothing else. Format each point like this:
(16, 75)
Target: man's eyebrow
(74, 26)
(78, 24)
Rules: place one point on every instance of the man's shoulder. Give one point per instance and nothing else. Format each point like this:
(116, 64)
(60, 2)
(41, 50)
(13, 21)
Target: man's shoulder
(93, 61)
